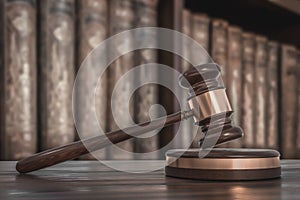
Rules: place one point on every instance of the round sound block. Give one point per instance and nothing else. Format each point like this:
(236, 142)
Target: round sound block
(224, 164)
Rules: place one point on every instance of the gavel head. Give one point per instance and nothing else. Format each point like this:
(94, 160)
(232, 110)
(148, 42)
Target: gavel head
(209, 102)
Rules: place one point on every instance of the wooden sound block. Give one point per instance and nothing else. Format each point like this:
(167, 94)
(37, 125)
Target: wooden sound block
(224, 164)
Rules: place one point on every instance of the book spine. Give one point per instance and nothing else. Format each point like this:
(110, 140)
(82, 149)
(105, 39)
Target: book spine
(200, 33)
(146, 15)
(260, 91)
(2, 96)
(247, 124)
(92, 30)
(219, 45)
(234, 74)
(187, 30)
(289, 100)
(272, 96)
(121, 19)
(298, 105)
(187, 127)
(57, 72)
(18, 76)
(166, 96)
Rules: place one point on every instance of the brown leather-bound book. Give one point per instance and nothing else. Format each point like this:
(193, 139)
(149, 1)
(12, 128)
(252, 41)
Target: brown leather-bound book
(187, 127)
(272, 131)
(121, 18)
(219, 45)
(288, 95)
(187, 30)
(260, 91)
(92, 30)
(56, 64)
(147, 95)
(2, 109)
(248, 51)
(200, 33)
(234, 76)
(298, 105)
(18, 121)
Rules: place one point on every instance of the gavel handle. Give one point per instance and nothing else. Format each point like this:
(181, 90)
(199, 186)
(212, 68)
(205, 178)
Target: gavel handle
(73, 150)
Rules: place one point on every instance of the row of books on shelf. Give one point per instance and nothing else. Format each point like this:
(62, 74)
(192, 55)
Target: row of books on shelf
(42, 41)
(262, 80)
(43, 44)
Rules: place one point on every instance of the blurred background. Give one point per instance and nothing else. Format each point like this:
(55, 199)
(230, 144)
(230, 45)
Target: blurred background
(43, 43)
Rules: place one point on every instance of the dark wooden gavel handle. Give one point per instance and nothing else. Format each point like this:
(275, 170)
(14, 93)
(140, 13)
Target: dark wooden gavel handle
(73, 150)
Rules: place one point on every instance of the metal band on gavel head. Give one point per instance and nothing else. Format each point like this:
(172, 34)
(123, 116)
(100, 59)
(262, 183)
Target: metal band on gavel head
(208, 100)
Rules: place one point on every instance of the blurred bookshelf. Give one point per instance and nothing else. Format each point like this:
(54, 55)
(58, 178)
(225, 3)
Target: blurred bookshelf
(277, 20)
(274, 24)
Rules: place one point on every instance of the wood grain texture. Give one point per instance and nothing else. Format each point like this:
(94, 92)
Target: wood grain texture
(91, 180)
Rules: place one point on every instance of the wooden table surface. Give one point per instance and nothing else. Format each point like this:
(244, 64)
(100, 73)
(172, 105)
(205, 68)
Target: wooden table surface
(92, 180)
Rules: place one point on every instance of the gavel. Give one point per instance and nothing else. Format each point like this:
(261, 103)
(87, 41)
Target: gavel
(207, 100)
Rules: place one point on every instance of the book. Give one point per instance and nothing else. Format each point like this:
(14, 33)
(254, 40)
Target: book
(248, 51)
(2, 63)
(234, 76)
(121, 16)
(92, 30)
(272, 128)
(219, 44)
(187, 30)
(289, 87)
(298, 105)
(260, 91)
(147, 95)
(56, 64)
(166, 96)
(200, 33)
(18, 79)
(187, 126)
